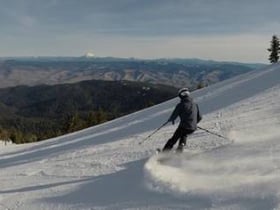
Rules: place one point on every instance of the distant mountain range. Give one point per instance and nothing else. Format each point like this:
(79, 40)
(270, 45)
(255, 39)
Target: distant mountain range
(173, 72)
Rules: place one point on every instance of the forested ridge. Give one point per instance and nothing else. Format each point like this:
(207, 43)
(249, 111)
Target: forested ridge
(30, 114)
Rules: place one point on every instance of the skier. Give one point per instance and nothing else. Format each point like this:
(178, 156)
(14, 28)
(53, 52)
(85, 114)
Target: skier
(189, 114)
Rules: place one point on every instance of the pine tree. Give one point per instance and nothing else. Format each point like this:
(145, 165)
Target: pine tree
(201, 85)
(274, 49)
(4, 135)
(72, 122)
(101, 116)
(90, 120)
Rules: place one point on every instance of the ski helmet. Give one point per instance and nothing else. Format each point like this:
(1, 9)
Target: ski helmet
(183, 92)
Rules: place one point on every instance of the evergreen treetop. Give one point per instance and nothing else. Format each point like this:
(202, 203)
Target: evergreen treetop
(274, 49)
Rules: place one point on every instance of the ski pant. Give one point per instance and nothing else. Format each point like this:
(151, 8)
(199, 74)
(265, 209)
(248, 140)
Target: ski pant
(180, 133)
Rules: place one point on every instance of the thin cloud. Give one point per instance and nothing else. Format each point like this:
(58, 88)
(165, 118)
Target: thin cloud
(44, 22)
(155, 17)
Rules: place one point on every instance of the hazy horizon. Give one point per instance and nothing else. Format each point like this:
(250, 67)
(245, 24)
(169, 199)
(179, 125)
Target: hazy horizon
(125, 58)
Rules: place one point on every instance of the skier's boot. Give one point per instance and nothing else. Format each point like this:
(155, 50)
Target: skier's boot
(180, 148)
(166, 150)
(167, 147)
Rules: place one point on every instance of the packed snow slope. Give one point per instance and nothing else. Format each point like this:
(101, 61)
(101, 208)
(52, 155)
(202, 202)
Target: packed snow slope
(104, 167)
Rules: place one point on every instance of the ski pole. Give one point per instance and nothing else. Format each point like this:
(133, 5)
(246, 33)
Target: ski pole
(216, 134)
(153, 133)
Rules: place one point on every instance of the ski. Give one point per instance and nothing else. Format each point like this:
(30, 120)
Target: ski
(159, 150)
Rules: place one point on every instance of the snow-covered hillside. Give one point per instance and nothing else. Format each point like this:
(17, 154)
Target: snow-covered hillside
(104, 167)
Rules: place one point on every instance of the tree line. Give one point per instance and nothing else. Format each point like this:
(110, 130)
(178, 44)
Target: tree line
(29, 114)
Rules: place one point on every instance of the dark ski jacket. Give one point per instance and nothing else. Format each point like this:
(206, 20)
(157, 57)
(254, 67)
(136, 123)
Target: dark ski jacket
(188, 112)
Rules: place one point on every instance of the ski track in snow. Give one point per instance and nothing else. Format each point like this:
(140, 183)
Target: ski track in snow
(104, 167)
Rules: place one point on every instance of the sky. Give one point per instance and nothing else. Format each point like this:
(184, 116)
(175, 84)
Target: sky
(226, 30)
